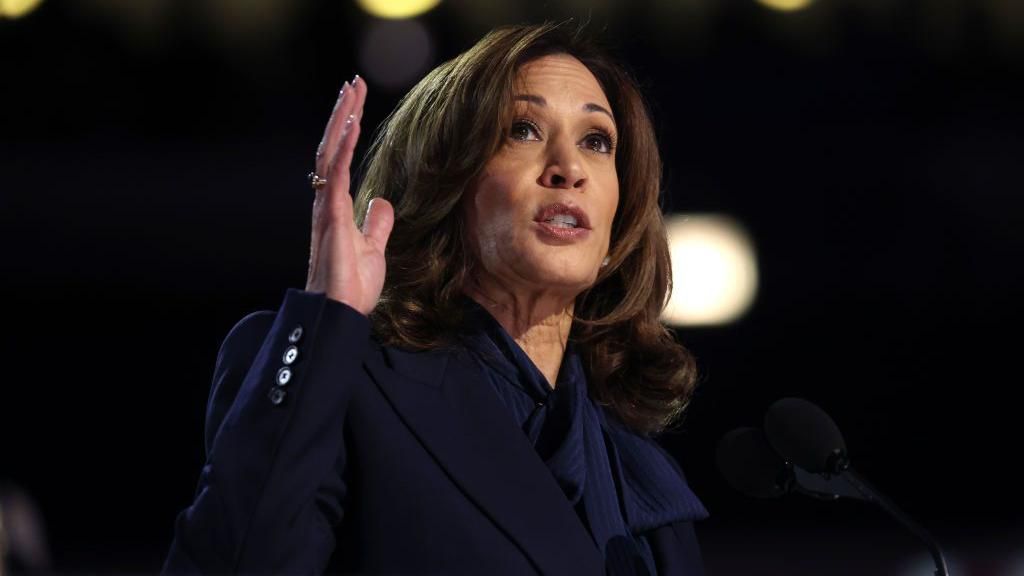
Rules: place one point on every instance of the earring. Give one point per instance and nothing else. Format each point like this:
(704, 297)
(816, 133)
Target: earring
(604, 262)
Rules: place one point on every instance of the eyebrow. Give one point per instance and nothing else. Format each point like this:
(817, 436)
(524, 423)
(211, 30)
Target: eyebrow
(540, 101)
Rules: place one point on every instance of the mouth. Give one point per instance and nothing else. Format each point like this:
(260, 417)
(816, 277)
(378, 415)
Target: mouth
(562, 217)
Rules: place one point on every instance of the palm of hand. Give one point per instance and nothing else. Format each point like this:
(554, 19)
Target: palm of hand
(346, 263)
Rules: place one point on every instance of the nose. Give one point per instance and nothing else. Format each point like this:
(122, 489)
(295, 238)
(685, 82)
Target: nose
(563, 168)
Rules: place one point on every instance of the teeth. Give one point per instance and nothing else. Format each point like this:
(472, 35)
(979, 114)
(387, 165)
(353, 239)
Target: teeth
(562, 221)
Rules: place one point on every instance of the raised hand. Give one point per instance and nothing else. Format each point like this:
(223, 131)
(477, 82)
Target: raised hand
(344, 262)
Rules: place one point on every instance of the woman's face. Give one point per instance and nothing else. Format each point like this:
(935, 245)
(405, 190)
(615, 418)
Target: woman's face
(540, 214)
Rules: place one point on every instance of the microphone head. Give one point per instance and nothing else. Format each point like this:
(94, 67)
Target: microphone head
(751, 466)
(805, 435)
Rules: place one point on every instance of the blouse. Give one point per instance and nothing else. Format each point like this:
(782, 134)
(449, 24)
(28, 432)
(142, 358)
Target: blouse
(619, 483)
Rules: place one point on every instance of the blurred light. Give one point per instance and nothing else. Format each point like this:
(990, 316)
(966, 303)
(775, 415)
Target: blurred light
(17, 8)
(395, 53)
(397, 9)
(785, 5)
(714, 271)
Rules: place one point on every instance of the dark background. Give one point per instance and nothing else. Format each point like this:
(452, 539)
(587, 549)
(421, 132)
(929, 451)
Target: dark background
(152, 192)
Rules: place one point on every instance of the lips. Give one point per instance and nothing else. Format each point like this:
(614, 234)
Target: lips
(562, 223)
(562, 216)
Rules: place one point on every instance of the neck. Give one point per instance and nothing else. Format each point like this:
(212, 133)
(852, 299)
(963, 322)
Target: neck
(538, 320)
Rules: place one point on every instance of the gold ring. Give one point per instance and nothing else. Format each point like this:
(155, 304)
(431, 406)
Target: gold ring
(316, 181)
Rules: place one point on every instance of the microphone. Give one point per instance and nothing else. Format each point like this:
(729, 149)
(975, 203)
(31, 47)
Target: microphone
(803, 434)
(802, 450)
(750, 465)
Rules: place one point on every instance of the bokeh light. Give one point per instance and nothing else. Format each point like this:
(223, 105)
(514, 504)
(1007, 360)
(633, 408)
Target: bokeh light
(397, 9)
(17, 8)
(785, 5)
(395, 53)
(714, 270)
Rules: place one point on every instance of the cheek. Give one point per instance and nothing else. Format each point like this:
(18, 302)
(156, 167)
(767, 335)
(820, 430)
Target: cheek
(610, 206)
(494, 214)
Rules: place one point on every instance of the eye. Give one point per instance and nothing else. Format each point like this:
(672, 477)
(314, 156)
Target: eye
(524, 130)
(600, 142)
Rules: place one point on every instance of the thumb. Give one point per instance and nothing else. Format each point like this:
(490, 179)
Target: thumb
(380, 218)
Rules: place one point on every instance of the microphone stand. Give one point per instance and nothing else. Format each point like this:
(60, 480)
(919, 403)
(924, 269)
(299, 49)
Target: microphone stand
(861, 485)
(850, 484)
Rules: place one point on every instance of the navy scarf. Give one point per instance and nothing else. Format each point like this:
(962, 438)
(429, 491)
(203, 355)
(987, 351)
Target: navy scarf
(620, 484)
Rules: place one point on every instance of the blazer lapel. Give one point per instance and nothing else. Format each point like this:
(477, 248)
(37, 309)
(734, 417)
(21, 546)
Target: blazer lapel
(448, 404)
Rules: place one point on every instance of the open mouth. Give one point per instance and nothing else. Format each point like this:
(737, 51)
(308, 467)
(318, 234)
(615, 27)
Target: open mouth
(562, 216)
(562, 221)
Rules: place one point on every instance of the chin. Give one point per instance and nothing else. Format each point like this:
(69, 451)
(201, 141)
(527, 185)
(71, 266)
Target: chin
(572, 275)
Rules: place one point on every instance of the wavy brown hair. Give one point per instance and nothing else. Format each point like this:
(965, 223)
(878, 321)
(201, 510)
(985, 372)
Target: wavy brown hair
(425, 156)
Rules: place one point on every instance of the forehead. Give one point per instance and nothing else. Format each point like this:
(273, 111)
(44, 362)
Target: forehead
(560, 76)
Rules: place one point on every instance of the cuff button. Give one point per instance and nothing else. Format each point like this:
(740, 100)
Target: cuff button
(295, 335)
(290, 355)
(276, 396)
(284, 376)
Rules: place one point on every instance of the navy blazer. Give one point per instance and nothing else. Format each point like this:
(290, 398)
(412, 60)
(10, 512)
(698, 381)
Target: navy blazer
(340, 455)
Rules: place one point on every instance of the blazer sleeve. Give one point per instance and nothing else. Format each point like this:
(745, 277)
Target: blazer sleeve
(271, 491)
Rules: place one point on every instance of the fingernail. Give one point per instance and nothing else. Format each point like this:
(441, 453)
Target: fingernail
(355, 79)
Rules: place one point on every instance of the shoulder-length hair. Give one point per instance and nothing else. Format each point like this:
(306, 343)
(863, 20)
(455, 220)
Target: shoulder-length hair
(426, 155)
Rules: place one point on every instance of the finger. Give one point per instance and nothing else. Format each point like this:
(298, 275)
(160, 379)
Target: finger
(331, 121)
(350, 128)
(339, 168)
(380, 219)
(335, 125)
(352, 106)
(338, 198)
(360, 95)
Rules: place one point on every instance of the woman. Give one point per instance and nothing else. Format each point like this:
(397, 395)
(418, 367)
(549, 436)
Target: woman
(486, 405)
